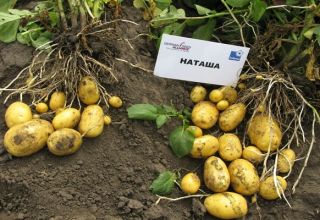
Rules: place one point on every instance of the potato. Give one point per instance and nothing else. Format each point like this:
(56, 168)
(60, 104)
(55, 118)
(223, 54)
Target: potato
(115, 101)
(42, 107)
(204, 114)
(244, 178)
(232, 117)
(197, 94)
(68, 118)
(64, 142)
(230, 147)
(286, 160)
(229, 94)
(222, 105)
(17, 113)
(27, 138)
(226, 205)
(57, 100)
(190, 183)
(195, 130)
(204, 146)
(252, 154)
(92, 121)
(264, 133)
(216, 175)
(107, 120)
(215, 95)
(88, 91)
(268, 189)
(35, 116)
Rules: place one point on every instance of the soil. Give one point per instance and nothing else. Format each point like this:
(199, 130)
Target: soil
(109, 177)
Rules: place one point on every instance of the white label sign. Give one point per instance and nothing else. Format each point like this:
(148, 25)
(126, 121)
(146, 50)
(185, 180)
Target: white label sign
(199, 61)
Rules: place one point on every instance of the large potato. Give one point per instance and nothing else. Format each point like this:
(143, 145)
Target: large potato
(244, 178)
(27, 138)
(230, 118)
(92, 121)
(230, 147)
(216, 175)
(57, 100)
(252, 154)
(198, 93)
(204, 114)
(204, 146)
(88, 91)
(264, 132)
(226, 205)
(68, 118)
(17, 113)
(286, 160)
(268, 189)
(64, 142)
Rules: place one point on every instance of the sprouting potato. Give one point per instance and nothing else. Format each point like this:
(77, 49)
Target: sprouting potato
(190, 183)
(222, 105)
(216, 175)
(204, 146)
(197, 94)
(252, 154)
(57, 100)
(17, 113)
(230, 147)
(42, 107)
(286, 160)
(231, 117)
(204, 114)
(68, 118)
(268, 189)
(229, 94)
(88, 91)
(115, 101)
(195, 130)
(215, 95)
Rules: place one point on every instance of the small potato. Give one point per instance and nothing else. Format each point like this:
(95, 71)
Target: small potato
(222, 105)
(27, 138)
(88, 91)
(216, 95)
(268, 187)
(64, 142)
(229, 94)
(230, 147)
(204, 146)
(35, 116)
(244, 177)
(226, 205)
(264, 132)
(17, 113)
(196, 131)
(232, 117)
(92, 121)
(115, 102)
(242, 86)
(252, 154)
(204, 114)
(42, 107)
(198, 93)
(216, 175)
(190, 183)
(68, 118)
(57, 100)
(286, 160)
(107, 120)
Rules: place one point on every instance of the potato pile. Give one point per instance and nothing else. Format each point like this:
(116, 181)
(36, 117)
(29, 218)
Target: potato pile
(28, 133)
(230, 169)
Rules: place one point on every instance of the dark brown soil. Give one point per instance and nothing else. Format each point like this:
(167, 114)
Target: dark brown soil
(109, 177)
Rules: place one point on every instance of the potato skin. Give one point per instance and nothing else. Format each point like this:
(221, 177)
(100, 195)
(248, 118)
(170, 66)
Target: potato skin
(68, 118)
(204, 114)
(57, 100)
(226, 205)
(27, 138)
(92, 121)
(252, 154)
(64, 142)
(286, 160)
(17, 113)
(231, 117)
(197, 94)
(244, 177)
(268, 190)
(204, 146)
(216, 175)
(88, 91)
(230, 147)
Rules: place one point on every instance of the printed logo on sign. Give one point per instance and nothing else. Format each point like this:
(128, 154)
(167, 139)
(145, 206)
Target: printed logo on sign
(236, 55)
(174, 46)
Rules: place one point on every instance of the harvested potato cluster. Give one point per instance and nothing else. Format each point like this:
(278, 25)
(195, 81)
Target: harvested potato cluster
(63, 135)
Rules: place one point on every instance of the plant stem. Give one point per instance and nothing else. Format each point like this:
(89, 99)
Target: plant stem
(64, 24)
(74, 13)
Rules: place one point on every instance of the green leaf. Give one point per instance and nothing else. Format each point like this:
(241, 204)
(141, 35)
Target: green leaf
(195, 22)
(42, 41)
(162, 4)
(169, 15)
(181, 141)
(202, 10)
(139, 4)
(143, 112)
(292, 2)
(8, 31)
(5, 5)
(164, 183)
(258, 9)
(238, 3)
(161, 120)
(204, 32)
(173, 29)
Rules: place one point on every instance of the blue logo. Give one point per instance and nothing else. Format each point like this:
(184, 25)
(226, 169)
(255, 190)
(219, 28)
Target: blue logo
(236, 55)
